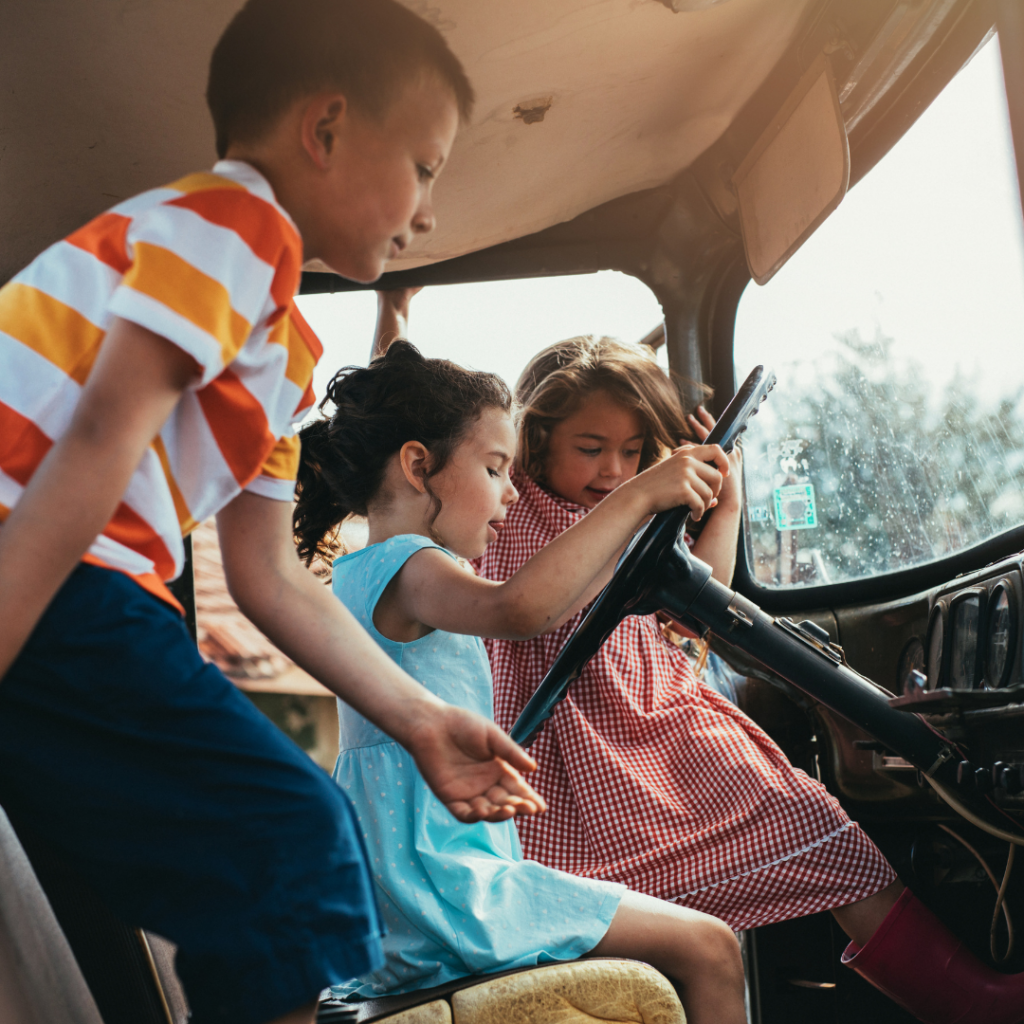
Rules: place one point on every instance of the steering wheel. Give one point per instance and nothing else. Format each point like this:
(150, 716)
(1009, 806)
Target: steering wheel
(646, 568)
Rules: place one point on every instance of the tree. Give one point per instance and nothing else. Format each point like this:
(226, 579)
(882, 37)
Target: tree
(902, 473)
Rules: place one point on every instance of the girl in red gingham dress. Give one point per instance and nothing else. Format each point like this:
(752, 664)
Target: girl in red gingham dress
(653, 779)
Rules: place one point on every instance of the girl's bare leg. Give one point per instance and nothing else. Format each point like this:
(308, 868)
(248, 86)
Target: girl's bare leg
(860, 920)
(697, 951)
(303, 1015)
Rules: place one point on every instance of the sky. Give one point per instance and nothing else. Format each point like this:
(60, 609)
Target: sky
(928, 248)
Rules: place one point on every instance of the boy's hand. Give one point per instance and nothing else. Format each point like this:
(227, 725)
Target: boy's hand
(692, 475)
(472, 766)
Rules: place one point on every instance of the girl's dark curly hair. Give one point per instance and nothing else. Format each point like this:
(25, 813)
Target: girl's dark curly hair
(399, 397)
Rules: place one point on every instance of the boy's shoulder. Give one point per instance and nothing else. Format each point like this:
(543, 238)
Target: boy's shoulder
(233, 196)
(212, 254)
(207, 262)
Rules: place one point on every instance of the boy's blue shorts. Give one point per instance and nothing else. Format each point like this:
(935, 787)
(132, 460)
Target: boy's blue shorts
(187, 810)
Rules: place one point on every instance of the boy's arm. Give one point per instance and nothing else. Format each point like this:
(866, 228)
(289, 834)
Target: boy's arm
(73, 494)
(466, 759)
(392, 318)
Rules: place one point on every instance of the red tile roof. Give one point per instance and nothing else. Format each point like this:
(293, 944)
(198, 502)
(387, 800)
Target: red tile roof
(228, 639)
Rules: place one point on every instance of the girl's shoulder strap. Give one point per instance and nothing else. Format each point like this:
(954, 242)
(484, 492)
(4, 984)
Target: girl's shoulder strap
(361, 577)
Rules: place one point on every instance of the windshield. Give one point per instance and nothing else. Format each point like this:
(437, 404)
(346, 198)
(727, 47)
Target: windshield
(896, 433)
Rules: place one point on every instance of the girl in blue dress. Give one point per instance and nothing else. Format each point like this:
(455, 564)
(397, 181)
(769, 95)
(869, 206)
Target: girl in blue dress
(423, 448)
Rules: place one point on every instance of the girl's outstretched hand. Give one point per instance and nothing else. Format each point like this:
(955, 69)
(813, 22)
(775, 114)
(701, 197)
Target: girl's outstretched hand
(692, 475)
(473, 767)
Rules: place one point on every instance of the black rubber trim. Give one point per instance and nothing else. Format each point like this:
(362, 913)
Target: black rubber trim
(884, 587)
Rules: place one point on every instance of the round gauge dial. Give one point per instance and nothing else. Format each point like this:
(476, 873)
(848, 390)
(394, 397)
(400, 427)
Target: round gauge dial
(936, 648)
(1001, 635)
(965, 617)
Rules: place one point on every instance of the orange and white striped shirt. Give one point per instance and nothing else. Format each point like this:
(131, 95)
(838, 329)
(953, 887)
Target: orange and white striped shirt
(211, 263)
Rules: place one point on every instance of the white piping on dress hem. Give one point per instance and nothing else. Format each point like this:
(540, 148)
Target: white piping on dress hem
(770, 864)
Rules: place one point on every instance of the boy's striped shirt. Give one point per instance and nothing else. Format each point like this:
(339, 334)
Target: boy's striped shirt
(212, 264)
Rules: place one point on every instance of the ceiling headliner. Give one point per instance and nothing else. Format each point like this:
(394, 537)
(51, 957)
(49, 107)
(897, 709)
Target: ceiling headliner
(102, 100)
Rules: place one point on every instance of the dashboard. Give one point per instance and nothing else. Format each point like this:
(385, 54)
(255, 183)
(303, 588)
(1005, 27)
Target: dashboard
(972, 686)
(973, 640)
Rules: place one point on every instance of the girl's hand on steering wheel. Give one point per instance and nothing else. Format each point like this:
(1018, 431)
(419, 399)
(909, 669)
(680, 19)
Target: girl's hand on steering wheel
(692, 475)
(730, 496)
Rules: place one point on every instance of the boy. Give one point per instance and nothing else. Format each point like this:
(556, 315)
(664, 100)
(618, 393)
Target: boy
(151, 367)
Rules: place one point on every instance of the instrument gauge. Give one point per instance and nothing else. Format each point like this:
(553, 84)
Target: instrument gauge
(936, 649)
(1000, 635)
(965, 616)
(911, 660)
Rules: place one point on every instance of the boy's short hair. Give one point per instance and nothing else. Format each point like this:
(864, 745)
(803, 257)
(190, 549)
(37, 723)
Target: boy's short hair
(276, 51)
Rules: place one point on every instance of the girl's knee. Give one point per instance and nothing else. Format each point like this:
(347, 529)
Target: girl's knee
(720, 947)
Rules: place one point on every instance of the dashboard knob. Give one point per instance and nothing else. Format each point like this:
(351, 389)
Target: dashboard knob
(965, 775)
(997, 773)
(983, 780)
(1012, 779)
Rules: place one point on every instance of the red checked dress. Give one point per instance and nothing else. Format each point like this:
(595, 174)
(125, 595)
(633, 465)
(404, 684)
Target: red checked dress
(654, 780)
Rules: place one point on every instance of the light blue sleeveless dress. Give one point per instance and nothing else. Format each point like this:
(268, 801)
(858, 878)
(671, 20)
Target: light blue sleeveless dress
(456, 899)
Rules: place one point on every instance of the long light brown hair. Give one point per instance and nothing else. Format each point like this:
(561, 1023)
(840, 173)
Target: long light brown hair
(559, 379)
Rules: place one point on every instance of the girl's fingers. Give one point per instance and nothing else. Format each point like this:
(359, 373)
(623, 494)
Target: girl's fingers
(705, 453)
(711, 453)
(703, 419)
(700, 498)
(699, 429)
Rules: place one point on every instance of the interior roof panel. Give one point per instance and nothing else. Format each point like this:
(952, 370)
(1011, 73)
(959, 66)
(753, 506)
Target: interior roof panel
(102, 100)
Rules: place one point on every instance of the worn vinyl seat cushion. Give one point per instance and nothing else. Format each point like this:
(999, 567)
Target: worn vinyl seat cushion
(578, 992)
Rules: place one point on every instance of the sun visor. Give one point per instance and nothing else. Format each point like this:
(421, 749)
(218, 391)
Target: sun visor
(796, 174)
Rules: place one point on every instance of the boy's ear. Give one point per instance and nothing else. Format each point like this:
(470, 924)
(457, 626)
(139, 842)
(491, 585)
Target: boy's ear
(415, 461)
(322, 121)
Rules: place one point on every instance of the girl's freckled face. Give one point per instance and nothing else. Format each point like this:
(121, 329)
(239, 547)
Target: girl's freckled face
(594, 450)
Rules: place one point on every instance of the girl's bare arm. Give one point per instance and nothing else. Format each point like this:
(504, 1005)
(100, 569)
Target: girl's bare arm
(716, 544)
(392, 318)
(434, 591)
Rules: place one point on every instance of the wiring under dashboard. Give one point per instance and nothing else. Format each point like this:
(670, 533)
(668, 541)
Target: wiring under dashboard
(1000, 889)
(965, 812)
